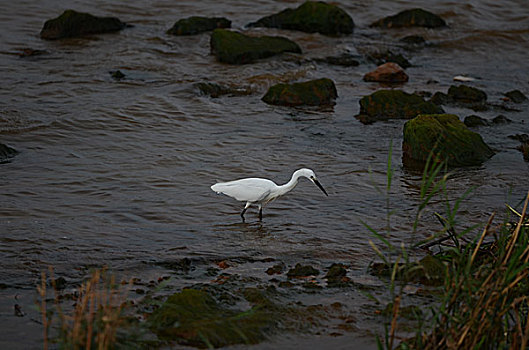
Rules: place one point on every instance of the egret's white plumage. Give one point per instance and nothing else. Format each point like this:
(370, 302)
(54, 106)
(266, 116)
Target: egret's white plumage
(260, 191)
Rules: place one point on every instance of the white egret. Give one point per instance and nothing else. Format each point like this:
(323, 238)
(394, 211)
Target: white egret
(261, 191)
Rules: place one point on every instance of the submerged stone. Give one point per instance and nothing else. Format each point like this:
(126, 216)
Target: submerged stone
(310, 17)
(411, 18)
(196, 24)
(446, 137)
(237, 48)
(6, 153)
(341, 60)
(74, 24)
(413, 40)
(393, 104)
(313, 93)
(216, 90)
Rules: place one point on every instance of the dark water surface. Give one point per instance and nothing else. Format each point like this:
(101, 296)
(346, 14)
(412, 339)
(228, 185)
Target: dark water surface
(117, 173)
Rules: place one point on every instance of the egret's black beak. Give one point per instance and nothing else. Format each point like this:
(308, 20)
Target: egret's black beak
(317, 183)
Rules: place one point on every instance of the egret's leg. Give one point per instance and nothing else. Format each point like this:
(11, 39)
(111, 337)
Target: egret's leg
(260, 212)
(244, 210)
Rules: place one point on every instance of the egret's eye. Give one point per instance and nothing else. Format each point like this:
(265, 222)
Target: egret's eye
(312, 177)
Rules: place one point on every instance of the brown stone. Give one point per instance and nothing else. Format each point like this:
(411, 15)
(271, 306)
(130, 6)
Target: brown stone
(387, 73)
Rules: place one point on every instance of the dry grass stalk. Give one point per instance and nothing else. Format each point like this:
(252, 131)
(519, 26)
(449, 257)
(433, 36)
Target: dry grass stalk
(95, 319)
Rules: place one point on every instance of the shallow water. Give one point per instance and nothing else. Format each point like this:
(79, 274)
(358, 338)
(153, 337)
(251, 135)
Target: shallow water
(117, 173)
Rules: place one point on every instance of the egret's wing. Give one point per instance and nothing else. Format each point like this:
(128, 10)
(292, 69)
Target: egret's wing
(249, 190)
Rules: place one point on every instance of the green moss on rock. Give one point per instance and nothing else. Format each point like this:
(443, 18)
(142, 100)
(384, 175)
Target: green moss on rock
(74, 24)
(447, 137)
(314, 93)
(411, 18)
(394, 104)
(236, 48)
(194, 318)
(196, 24)
(311, 17)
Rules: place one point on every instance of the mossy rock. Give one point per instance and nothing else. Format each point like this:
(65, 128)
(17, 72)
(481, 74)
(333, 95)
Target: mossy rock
(411, 18)
(313, 93)
(302, 271)
(196, 24)
(428, 271)
(74, 24)
(447, 137)
(194, 318)
(394, 104)
(310, 17)
(6, 153)
(237, 48)
(516, 96)
(466, 94)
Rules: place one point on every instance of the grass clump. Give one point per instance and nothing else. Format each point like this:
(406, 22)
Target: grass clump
(483, 298)
(95, 320)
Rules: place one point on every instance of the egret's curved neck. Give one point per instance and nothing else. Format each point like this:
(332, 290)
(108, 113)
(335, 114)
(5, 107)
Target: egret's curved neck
(289, 186)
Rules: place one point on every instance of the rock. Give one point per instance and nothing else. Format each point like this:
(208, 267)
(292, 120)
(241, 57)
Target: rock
(501, 119)
(344, 60)
(302, 271)
(413, 40)
(196, 24)
(523, 138)
(387, 73)
(466, 94)
(429, 271)
(313, 93)
(310, 17)
(524, 148)
(237, 48)
(447, 137)
(474, 120)
(411, 18)
(276, 269)
(74, 24)
(215, 90)
(194, 318)
(393, 104)
(29, 52)
(336, 271)
(516, 96)
(117, 74)
(6, 153)
(440, 98)
(382, 57)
